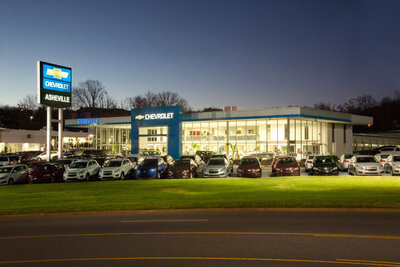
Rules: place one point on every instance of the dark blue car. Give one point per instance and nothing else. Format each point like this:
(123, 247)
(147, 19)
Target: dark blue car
(152, 168)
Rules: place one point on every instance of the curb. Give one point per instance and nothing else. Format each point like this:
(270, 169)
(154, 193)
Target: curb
(323, 210)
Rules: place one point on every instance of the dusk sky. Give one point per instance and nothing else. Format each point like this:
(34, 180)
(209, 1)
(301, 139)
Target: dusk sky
(213, 53)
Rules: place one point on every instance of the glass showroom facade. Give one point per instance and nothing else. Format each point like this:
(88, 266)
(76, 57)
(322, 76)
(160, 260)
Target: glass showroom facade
(295, 131)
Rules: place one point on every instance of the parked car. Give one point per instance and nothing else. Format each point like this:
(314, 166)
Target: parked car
(7, 160)
(392, 164)
(98, 155)
(136, 159)
(43, 156)
(309, 162)
(324, 165)
(27, 155)
(200, 163)
(383, 149)
(382, 157)
(168, 160)
(365, 165)
(116, 169)
(65, 162)
(274, 161)
(337, 161)
(286, 166)
(153, 167)
(13, 174)
(205, 155)
(249, 167)
(82, 170)
(183, 168)
(222, 156)
(46, 172)
(218, 167)
(345, 160)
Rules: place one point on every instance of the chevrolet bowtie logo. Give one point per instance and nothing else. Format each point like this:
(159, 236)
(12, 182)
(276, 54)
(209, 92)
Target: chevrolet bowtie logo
(139, 117)
(57, 73)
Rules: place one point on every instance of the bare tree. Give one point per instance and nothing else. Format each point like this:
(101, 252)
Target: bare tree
(89, 93)
(325, 106)
(161, 99)
(108, 102)
(359, 104)
(28, 102)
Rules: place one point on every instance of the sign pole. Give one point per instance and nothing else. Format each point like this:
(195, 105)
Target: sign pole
(48, 134)
(60, 133)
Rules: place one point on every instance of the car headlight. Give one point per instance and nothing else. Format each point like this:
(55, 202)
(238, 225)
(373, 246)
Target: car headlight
(239, 170)
(278, 169)
(82, 172)
(295, 169)
(315, 168)
(117, 170)
(153, 169)
(334, 168)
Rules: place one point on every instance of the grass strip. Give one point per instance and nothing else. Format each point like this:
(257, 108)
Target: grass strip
(293, 192)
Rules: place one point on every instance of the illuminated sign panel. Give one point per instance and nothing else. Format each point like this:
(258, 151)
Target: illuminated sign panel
(88, 121)
(54, 85)
(156, 116)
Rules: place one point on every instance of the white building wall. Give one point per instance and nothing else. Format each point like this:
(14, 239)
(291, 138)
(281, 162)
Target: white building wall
(339, 139)
(349, 140)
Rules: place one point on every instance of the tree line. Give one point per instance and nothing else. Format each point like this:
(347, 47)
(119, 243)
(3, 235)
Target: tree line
(91, 99)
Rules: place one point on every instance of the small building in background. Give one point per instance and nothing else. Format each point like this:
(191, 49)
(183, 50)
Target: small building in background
(232, 108)
(13, 140)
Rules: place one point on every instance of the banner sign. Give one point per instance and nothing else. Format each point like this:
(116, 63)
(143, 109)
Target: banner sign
(54, 85)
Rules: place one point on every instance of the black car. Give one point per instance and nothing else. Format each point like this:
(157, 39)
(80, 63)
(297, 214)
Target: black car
(324, 165)
(200, 163)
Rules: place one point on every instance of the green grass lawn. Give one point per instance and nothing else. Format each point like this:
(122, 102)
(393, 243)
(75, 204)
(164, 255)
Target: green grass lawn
(303, 192)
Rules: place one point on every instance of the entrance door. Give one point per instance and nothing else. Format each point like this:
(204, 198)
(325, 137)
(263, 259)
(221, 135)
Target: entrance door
(153, 140)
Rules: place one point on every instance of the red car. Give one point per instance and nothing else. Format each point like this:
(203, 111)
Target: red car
(285, 166)
(183, 168)
(45, 172)
(249, 167)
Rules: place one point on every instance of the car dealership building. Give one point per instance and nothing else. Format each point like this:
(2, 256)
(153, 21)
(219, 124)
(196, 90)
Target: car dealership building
(292, 130)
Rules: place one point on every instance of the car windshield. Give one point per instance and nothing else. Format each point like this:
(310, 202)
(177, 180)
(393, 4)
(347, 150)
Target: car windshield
(79, 165)
(396, 158)
(5, 170)
(348, 156)
(216, 162)
(182, 163)
(287, 161)
(324, 160)
(3, 159)
(149, 162)
(113, 163)
(311, 157)
(384, 156)
(249, 162)
(187, 157)
(366, 159)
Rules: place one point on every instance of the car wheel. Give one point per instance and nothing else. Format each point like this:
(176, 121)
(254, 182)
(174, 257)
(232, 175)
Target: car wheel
(87, 177)
(191, 175)
(10, 181)
(122, 176)
(158, 175)
(391, 171)
(52, 179)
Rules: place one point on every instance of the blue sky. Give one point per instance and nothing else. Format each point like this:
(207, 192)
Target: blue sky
(213, 53)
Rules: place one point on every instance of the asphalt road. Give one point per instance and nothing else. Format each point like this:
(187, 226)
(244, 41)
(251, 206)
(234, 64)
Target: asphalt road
(203, 239)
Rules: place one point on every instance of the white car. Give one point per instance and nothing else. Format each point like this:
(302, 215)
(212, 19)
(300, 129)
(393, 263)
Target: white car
(43, 156)
(116, 169)
(365, 165)
(382, 157)
(136, 159)
(82, 170)
(309, 162)
(13, 174)
(392, 164)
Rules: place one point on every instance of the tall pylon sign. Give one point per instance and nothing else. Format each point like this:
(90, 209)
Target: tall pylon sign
(54, 87)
